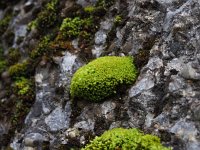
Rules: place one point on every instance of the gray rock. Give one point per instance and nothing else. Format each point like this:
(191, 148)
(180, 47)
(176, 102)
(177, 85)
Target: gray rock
(29, 148)
(38, 78)
(37, 109)
(100, 37)
(72, 132)
(28, 6)
(107, 110)
(85, 125)
(57, 120)
(3, 94)
(6, 77)
(1, 14)
(154, 63)
(142, 85)
(176, 84)
(175, 64)
(1, 85)
(116, 124)
(187, 131)
(196, 112)
(164, 100)
(85, 3)
(189, 72)
(33, 139)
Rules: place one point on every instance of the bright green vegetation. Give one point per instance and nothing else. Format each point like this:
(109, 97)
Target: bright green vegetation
(78, 22)
(23, 91)
(47, 17)
(42, 47)
(125, 139)
(24, 88)
(4, 23)
(101, 78)
(18, 70)
(105, 3)
(3, 65)
(90, 9)
(83, 26)
(118, 19)
(71, 28)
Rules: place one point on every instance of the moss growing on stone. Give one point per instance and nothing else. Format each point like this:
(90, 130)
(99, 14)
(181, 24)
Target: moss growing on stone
(9, 37)
(46, 18)
(4, 24)
(3, 65)
(13, 56)
(72, 27)
(20, 111)
(19, 69)
(118, 19)
(101, 78)
(90, 9)
(42, 48)
(3, 62)
(24, 88)
(125, 139)
(105, 3)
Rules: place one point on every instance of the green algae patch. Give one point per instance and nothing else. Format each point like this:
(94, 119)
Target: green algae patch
(125, 139)
(102, 77)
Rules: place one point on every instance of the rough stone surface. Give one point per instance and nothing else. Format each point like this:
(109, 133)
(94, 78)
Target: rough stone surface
(164, 38)
(57, 120)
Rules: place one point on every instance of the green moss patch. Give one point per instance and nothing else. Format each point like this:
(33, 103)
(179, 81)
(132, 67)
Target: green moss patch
(46, 18)
(125, 139)
(24, 88)
(14, 56)
(42, 48)
(3, 66)
(3, 62)
(105, 3)
(73, 28)
(19, 69)
(4, 24)
(101, 78)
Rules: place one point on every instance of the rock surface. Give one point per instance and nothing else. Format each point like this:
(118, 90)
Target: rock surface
(163, 34)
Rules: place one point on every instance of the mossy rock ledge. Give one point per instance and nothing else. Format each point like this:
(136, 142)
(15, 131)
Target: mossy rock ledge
(102, 77)
(125, 139)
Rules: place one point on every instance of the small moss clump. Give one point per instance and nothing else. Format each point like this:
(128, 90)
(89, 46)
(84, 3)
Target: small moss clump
(42, 48)
(101, 78)
(4, 24)
(71, 28)
(118, 19)
(13, 56)
(46, 18)
(3, 62)
(19, 69)
(3, 66)
(125, 139)
(90, 9)
(105, 3)
(24, 88)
